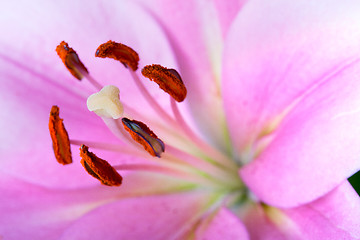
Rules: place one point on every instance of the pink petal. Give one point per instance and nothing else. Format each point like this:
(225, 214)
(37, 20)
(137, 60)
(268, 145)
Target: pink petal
(260, 227)
(34, 212)
(227, 11)
(157, 217)
(314, 149)
(334, 216)
(340, 208)
(303, 73)
(196, 29)
(34, 78)
(224, 225)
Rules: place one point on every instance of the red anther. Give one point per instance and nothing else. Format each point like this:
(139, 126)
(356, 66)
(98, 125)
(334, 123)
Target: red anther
(59, 137)
(168, 80)
(99, 168)
(71, 60)
(120, 52)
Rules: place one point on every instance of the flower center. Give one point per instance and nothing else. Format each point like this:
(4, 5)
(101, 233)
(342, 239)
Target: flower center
(194, 160)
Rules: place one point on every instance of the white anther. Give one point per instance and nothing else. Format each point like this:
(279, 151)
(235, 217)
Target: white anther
(106, 103)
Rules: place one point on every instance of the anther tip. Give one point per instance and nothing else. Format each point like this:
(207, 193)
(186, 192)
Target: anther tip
(99, 168)
(120, 52)
(59, 137)
(144, 136)
(71, 60)
(168, 80)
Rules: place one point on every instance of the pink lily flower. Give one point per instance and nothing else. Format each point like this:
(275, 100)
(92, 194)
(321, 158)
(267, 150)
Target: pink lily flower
(261, 147)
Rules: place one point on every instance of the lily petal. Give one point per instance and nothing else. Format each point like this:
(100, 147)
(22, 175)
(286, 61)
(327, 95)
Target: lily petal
(333, 216)
(227, 11)
(35, 212)
(156, 217)
(296, 83)
(223, 225)
(195, 29)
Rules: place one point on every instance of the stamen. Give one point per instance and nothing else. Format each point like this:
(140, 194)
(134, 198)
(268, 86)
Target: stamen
(106, 102)
(121, 148)
(181, 174)
(99, 168)
(168, 80)
(143, 135)
(228, 176)
(59, 137)
(120, 52)
(71, 60)
(179, 124)
(215, 155)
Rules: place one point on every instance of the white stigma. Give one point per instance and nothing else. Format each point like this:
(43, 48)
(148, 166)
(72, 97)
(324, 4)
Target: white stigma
(106, 103)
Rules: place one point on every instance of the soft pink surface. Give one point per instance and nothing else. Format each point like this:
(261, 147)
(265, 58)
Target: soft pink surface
(223, 225)
(333, 216)
(297, 62)
(39, 212)
(153, 217)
